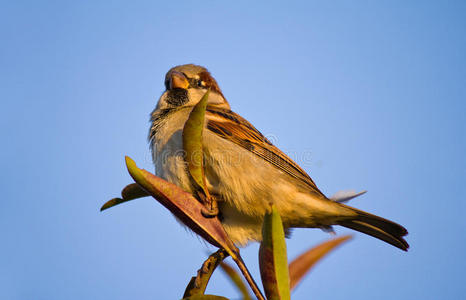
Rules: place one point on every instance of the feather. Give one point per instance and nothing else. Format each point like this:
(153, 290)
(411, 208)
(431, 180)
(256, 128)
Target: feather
(234, 128)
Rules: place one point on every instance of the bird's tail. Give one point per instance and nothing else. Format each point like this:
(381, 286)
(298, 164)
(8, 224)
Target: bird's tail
(377, 227)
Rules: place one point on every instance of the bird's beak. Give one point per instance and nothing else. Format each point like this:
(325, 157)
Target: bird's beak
(177, 80)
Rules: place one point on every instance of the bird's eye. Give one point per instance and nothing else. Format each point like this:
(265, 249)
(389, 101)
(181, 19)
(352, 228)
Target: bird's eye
(200, 83)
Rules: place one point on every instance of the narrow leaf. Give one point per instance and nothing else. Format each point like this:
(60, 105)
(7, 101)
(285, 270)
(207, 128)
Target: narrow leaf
(236, 279)
(301, 265)
(133, 191)
(130, 192)
(192, 142)
(183, 205)
(273, 261)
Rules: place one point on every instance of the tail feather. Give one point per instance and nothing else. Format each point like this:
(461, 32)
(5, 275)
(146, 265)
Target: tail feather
(377, 227)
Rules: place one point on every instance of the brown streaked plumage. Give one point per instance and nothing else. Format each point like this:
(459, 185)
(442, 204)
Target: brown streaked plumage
(238, 130)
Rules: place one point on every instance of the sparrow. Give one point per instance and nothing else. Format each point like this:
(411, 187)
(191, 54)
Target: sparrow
(243, 169)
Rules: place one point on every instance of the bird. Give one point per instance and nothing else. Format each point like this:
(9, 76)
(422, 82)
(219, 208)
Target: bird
(244, 171)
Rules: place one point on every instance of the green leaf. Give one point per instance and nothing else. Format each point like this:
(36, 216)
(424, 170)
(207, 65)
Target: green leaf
(192, 142)
(130, 192)
(273, 261)
(301, 265)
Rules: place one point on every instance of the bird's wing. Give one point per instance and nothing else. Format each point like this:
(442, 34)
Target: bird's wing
(233, 127)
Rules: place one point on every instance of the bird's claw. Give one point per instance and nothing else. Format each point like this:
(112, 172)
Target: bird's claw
(209, 212)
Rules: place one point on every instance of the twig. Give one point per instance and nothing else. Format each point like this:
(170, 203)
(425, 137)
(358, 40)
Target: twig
(242, 267)
(198, 284)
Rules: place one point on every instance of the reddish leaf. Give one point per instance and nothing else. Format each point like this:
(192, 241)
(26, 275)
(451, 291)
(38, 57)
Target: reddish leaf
(301, 265)
(184, 206)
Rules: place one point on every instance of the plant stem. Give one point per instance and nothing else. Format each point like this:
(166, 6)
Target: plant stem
(242, 266)
(198, 284)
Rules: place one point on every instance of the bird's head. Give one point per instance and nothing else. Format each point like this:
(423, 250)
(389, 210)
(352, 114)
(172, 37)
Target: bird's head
(186, 84)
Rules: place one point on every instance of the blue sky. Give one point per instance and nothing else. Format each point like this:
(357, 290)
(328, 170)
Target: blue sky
(364, 95)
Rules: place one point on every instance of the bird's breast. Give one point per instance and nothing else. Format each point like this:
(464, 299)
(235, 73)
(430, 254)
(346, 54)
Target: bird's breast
(167, 149)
